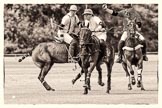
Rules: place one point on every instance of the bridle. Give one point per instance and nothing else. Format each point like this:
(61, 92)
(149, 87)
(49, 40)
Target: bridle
(86, 42)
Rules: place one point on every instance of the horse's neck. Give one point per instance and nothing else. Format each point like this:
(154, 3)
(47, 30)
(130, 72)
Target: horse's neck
(95, 43)
(131, 42)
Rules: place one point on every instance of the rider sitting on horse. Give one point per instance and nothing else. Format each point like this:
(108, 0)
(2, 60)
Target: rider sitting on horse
(67, 27)
(95, 24)
(128, 14)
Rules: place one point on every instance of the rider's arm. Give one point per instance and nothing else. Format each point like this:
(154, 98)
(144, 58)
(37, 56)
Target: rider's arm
(99, 23)
(64, 22)
(138, 21)
(110, 11)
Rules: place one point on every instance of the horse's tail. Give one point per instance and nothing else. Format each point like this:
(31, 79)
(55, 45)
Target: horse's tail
(25, 55)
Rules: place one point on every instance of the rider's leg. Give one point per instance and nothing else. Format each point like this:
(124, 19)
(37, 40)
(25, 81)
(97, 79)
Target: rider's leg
(73, 43)
(72, 48)
(120, 46)
(144, 49)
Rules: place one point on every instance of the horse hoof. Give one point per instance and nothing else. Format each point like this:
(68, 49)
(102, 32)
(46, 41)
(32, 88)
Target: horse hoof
(52, 89)
(142, 89)
(133, 82)
(19, 60)
(101, 83)
(138, 85)
(108, 91)
(85, 91)
(73, 81)
(89, 88)
(129, 87)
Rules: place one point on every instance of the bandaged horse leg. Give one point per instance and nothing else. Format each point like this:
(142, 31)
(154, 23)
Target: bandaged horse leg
(42, 75)
(133, 81)
(98, 68)
(139, 79)
(139, 72)
(45, 69)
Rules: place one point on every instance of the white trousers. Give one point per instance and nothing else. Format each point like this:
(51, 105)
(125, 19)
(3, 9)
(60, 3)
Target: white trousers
(124, 36)
(101, 36)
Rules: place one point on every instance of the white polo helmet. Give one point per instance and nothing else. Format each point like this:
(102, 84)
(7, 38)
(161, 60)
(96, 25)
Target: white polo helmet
(88, 11)
(73, 8)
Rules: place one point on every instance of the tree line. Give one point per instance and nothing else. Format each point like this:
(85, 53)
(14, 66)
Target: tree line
(27, 25)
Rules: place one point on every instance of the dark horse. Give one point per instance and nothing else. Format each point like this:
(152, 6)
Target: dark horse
(91, 56)
(133, 56)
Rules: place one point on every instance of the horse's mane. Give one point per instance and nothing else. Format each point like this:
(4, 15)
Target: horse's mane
(95, 42)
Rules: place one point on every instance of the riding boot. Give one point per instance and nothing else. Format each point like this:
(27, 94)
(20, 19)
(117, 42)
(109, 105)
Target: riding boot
(120, 51)
(72, 47)
(145, 58)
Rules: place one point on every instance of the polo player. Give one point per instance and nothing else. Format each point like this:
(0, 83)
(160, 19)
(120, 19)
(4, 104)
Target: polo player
(128, 14)
(67, 27)
(95, 24)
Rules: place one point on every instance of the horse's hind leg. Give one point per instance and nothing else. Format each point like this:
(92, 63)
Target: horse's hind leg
(47, 64)
(45, 69)
(98, 68)
(127, 75)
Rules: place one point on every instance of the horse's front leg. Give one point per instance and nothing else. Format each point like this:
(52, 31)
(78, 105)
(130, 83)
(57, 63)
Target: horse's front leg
(77, 77)
(127, 75)
(98, 68)
(91, 68)
(86, 81)
(133, 81)
(79, 74)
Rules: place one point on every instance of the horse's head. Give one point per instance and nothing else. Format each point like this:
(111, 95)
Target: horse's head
(85, 36)
(131, 25)
(133, 38)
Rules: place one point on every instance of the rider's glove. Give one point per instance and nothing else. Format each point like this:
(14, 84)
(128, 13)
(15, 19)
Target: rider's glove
(104, 6)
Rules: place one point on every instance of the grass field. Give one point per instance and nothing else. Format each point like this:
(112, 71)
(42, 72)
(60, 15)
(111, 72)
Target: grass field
(21, 85)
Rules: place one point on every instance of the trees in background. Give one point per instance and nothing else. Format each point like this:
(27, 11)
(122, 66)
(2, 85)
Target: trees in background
(26, 25)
